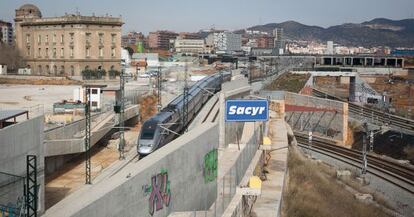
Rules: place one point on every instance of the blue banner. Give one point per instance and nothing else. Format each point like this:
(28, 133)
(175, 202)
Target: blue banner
(247, 110)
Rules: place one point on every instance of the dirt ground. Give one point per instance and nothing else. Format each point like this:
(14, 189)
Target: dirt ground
(313, 190)
(72, 176)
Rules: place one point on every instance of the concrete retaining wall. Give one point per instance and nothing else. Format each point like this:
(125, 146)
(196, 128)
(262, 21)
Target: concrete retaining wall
(179, 167)
(69, 139)
(16, 142)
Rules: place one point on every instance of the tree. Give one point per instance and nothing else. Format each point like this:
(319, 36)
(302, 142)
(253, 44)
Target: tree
(11, 56)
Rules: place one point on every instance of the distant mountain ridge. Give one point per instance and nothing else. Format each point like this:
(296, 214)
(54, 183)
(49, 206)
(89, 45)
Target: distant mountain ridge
(377, 32)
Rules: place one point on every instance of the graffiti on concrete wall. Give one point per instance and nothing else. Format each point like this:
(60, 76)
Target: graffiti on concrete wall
(11, 210)
(159, 191)
(210, 166)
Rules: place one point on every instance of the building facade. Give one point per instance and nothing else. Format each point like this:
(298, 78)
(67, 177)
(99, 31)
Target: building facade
(193, 46)
(69, 44)
(225, 41)
(279, 40)
(161, 39)
(6, 32)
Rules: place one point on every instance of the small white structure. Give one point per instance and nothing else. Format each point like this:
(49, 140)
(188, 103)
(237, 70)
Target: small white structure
(79, 94)
(3, 69)
(24, 71)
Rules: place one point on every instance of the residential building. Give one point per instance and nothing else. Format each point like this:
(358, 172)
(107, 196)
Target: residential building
(6, 32)
(135, 40)
(279, 40)
(69, 44)
(265, 41)
(224, 41)
(193, 46)
(161, 39)
(330, 47)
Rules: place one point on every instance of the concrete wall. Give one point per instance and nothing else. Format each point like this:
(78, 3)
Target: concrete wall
(128, 192)
(333, 123)
(16, 142)
(69, 139)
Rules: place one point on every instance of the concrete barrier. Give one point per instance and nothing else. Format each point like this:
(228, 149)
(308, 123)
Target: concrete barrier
(178, 177)
(16, 142)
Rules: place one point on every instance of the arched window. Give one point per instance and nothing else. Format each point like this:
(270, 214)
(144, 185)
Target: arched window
(72, 70)
(112, 67)
(55, 70)
(86, 67)
(48, 69)
(39, 69)
(62, 70)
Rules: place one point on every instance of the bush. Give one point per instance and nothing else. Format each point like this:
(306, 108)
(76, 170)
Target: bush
(113, 73)
(93, 74)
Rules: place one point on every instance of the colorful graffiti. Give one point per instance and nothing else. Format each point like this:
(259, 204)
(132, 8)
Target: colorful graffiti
(210, 166)
(159, 191)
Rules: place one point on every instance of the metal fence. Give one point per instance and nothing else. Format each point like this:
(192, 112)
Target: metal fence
(12, 197)
(227, 185)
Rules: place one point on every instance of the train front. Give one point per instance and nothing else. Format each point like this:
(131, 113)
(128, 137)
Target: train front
(148, 138)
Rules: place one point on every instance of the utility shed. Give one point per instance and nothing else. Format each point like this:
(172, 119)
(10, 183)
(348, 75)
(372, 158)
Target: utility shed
(7, 115)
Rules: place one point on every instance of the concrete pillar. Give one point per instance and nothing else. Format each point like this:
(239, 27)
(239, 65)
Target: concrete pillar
(373, 61)
(396, 62)
(345, 123)
(385, 61)
(332, 59)
(352, 61)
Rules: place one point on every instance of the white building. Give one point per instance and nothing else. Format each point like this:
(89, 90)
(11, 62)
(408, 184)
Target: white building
(3, 69)
(330, 47)
(225, 41)
(193, 46)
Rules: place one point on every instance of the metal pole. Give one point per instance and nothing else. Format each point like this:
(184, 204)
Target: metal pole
(159, 83)
(121, 115)
(371, 141)
(364, 150)
(310, 143)
(88, 136)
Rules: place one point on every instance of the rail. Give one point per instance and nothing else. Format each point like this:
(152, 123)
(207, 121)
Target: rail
(404, 174)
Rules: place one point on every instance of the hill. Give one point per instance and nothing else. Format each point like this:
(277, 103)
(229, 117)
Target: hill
(377, 32)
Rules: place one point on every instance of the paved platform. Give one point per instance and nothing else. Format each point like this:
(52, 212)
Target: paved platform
(268, 203)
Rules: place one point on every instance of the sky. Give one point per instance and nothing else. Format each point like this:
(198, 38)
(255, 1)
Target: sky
(193, 15)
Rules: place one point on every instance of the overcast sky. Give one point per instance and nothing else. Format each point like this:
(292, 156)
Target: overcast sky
(193, 15)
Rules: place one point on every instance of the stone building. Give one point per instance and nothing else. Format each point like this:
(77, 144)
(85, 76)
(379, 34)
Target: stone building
(69, 44)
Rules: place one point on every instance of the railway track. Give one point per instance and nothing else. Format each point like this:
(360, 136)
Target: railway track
(373, 115)
(398, 174)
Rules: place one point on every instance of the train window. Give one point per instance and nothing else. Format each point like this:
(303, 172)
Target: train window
(147, 134)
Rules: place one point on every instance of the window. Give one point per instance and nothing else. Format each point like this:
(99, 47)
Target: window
(55, 70)
(62, 38)
(72, 36)
(54, 52)
(94, 91)
(48, 69)
(39, 39)
(101, 38)
(88, 36)
(28, 38)
(113, 52)
(47, 39)
(62, 52)
(113, 38)
(54, 38)
(28, 51)
(100, 52)
(39, 52)
(62, 70)
(94, 103)
(47, 52)
(71, 51)
(87, 52)
(72, 70)
(39, 69)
